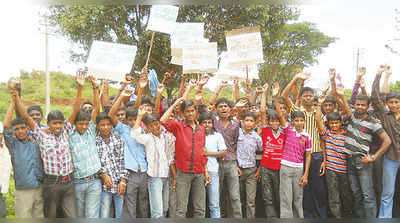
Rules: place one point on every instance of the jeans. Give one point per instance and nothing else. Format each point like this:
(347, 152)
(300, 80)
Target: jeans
(58, 193)
(158, 196)
(339, 194)
(190, 183)
(105, 205)
(172, 200)
(88, 196)
(3, 209)
(291, 192)
(390, 168)
(213, 195)
(230, 189)
(270, 191)
(360, 177)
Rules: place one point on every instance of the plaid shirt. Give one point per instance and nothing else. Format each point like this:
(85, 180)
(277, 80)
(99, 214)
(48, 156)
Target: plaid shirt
(111, 155)
(55, 152)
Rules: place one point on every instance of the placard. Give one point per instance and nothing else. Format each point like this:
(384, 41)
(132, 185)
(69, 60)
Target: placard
(229, 72)
(245, 46)
(183, 33)
(110, 61)
(199, 58)
(162, 18)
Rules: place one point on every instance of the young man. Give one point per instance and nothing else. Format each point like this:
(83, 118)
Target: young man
(391, 123)
(58, 185)
(315, 194)
(5, 171)
(27, 164)
(85, 157)
(159, 153)
(35, 111)
(190, 161)
(361, 130)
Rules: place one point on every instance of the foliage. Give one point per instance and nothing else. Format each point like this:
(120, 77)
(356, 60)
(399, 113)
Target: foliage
(395, 86)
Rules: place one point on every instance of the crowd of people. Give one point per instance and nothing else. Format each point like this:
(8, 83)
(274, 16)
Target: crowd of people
(133, 156)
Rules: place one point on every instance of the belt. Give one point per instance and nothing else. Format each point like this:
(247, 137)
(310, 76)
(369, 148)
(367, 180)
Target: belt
(61, 179)
(91, 177)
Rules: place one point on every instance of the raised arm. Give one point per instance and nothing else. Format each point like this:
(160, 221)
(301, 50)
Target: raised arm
(375, 94)
(385, 87)
(343, 103)
(214, 97)
(168, 113)
(199, 92)
(285, 94)
(160, 89)
(182, 85)
(237, 91)
(80, 81)
(105, 94)
(20, 108)
(142, 83)
(263, 106)
(140, 116)
(10, 111)
(248, 89)
(128, 81)
(318, 114)
(96, 98)
(275, 94)
(259, 91)
(117, 104)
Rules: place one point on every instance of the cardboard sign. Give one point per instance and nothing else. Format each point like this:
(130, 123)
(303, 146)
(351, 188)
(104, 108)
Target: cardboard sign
(110, 61)
(200, 58)
(162, 18)
(245, 46)
(184, 33)
(229, 72)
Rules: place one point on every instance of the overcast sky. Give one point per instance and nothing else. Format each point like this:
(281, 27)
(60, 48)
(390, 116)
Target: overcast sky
(365, 24)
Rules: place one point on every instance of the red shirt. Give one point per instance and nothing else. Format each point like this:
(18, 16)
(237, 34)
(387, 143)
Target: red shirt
(272, 148)
(189, 146)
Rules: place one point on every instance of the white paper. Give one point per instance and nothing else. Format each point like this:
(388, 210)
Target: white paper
(245, 48)
(110, 61)
(163, 18)
(200, 57)
(187, 32)
(228, 72)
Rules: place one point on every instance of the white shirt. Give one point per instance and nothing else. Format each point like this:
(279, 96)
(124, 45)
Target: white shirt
(214, 143)
(5, 169)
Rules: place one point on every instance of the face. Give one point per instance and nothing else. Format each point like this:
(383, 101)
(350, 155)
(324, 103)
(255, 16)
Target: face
(243, 109)
(121, 115)
(104, 127)
(255, 109)
(298, 123)
(361, 107)
(149, 109)
(335, 125)
(274, 124)
(394, 105)
(36, 116)
(20, 131)
(131, 120)
(82, 126)
(284, 110)
(328, 107)
(87, 107)
(55, 126)
(154, 127)
(208, 125)
(190, 113)
(249, 123)
(307, 99)
(223, 110)
(210, 108)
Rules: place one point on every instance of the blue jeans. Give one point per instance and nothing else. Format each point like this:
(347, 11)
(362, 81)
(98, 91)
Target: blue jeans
(3, 209)
(88, 195)
(390, 168)
(361, 184)
(213, 195)
(158, 196)
(106, 198)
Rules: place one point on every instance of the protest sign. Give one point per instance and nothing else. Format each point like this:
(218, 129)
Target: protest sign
(245, 46)
(110, 60)
(162, 18)
(183, 33)
(228, 72)
(199, 57)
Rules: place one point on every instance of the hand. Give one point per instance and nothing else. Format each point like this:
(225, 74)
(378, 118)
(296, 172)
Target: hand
(368, 158)
(160, 88)
(304, 180)
(322, 169)
(321, 99)
(143, 82)
(205, 153)
(126, 93)
(381, 69)
(14, 94)
(259, 90)
(302, 76)
(362, 83)
(198, 96)
(178, 101)
(192, 83)
(106, 84)
(121, 188)
(207, 178)
(223, 84)
(203, 80)
(388, 70)
(183, 76)
(167, 75)
(258, 176)
(339, 77)
(144, 72)
(142, 110)
(326, 87)
(248, 86)
(107, 180)
(340, 91)
(128, 80)
(275, 89)
(236, 82)
(241, 103)
(265, 87)
(239, 171)
(332, 73)
(361, 72)
(80, 79)
(174, 184)
(92, 81)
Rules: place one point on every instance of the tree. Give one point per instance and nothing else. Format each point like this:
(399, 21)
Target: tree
(287, 45)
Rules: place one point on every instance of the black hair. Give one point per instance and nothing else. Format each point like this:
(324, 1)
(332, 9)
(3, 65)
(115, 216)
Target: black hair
(130, 104)
(55, 115)
(298, 114)
(392, 94)
(18, 121)
(224, 101)
(281, 101)
(102, 116)
(131, 112)
(306, 89)
(363, 98)
(107, 109)
(185, 104)
(149, 118)
(147, 100)
(207, 116)
(87, 103)
(112, 98)
(333, 116)
(315, 98)
(122, 108)
(330, 98)
(250, 114)
(164, 109)
(272, 114)
(202, 108)
(36, 108)
(82, 116)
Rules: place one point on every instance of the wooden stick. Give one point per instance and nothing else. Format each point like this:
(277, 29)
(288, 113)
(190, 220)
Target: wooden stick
(151, 46)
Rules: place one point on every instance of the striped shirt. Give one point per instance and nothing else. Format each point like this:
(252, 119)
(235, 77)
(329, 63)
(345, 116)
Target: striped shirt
(296, 145)
(360, 133)
(159, 151)
(336, 159)
(311, 128)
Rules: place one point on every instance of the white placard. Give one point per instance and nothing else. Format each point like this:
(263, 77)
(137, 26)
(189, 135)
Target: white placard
(200, 58)
(245, 46)
(229, 72)
(183, 33)
(162, 18)
(110, 61)
(176, 60)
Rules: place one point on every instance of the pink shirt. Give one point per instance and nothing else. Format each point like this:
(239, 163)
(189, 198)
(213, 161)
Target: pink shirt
(295, 146)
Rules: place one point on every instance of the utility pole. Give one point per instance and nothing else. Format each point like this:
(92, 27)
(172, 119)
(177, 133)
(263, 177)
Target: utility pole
(357, 59)
(47, 68)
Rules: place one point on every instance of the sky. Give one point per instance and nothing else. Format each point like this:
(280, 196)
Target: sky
(364, 24)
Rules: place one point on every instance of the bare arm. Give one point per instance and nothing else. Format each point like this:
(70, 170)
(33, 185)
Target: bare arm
(20, 108)
(214, 97)
(237, 92)
(286, 91)
(248, 89)
(304, 178)
(139, 118)
(318, 115)
(96, 98)
(142, 83)
(10, 111)
(218, 154)
(275, 93)
(116, 105)
(263, 106)
(80, 80)
(386, 141)
(160, 89)
(105, 95)
(385, 87)
(168, 113)
(182, 85)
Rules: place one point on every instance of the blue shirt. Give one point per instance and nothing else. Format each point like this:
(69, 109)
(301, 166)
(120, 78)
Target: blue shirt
(27, 164)
(247, 145)
(85, 156)
(135, 154)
